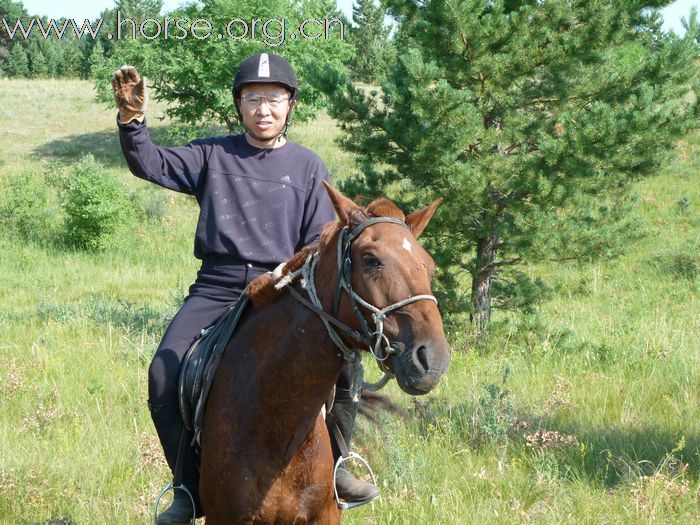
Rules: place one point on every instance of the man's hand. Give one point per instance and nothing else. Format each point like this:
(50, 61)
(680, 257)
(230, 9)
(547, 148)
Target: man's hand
(130, 93)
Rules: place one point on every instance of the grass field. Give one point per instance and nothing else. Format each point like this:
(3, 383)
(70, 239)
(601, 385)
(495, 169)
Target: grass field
(586, 412)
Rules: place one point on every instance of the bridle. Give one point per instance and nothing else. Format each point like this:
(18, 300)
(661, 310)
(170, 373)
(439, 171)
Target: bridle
(381, 348)
(378, 343)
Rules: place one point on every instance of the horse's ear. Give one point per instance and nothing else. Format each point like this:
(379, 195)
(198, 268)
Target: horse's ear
(344, 207)
(418, 220)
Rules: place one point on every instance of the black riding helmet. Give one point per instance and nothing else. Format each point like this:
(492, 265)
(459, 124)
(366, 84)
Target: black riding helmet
(264, 68)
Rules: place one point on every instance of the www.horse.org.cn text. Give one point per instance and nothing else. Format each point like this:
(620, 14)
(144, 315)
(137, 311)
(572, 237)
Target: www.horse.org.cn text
(271, 31)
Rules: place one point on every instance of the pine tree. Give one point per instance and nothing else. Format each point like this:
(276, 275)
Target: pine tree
(52, 50)
(10, 11)
(38, 66)
(139, 9)
(97, 59)
(532, 119)
(69, 66)
(370, 38)
(17, 63)
(135, 10)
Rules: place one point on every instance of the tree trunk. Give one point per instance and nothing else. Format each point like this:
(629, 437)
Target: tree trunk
(481, 282)
(230, 124)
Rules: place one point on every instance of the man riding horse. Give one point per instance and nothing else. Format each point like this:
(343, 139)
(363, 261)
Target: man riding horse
(261, 199)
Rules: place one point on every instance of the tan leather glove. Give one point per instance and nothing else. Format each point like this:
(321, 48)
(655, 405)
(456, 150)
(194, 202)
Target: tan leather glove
(130, 93)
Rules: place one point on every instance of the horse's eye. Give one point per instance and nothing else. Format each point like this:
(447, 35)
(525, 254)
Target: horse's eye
(370, 262)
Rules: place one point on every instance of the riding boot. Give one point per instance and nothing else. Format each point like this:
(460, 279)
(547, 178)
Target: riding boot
(343, 414)
(168, 422)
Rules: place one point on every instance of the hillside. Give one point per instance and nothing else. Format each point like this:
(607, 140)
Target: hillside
(584, 412)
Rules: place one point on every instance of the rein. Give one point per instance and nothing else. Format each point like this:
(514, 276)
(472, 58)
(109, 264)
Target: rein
(377, 342)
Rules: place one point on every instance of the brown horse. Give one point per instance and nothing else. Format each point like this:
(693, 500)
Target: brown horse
(266, 453)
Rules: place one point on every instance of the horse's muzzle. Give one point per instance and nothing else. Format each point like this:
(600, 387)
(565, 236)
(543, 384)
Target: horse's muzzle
(419, 367)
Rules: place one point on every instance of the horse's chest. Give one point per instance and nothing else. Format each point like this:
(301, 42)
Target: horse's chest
(265, 488)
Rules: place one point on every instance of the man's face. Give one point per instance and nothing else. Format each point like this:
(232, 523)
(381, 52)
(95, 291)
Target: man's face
(264, 108)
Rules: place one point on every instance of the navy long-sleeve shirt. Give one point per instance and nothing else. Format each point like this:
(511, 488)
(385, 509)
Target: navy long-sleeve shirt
(257, 206)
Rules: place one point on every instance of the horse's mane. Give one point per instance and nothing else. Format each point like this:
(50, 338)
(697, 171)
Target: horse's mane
(385, 208)
(262, 290)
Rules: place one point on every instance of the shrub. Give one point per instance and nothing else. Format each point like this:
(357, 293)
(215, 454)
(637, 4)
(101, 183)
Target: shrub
(682, 263)
(151, 202)
(494, 417)
(26, 208)
(97, 205)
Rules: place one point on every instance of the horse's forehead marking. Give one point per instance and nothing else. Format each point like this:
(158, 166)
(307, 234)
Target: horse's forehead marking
(407, 244)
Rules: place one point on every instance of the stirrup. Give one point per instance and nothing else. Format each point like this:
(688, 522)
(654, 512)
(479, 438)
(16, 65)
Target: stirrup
(343, 505)
(173, 487)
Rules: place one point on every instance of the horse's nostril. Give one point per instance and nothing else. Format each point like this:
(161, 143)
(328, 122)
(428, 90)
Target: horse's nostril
(422, 356)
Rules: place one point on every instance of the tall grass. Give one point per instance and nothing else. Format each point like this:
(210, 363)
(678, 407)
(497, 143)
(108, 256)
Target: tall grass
(584, 412)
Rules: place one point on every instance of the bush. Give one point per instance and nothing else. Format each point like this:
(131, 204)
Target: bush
(151, 202)
(681, 263)
(26, 208)
(494, 416)
(97, 206)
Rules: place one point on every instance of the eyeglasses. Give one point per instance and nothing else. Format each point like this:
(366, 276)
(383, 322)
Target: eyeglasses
(254, 99)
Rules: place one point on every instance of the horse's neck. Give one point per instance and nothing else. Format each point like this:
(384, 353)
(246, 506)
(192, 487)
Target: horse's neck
(295, 375)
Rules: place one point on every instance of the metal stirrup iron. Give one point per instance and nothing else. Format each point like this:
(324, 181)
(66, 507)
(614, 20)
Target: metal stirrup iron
(176, 483)
(344, 505)
(346, 455)
(172, 486)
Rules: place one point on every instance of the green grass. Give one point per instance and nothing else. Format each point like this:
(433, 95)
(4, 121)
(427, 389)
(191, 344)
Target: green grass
(611, 363)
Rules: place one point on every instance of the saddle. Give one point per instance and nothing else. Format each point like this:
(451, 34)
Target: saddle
(200, 364)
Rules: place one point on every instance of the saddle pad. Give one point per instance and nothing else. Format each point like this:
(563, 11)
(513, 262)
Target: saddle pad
(200, 364)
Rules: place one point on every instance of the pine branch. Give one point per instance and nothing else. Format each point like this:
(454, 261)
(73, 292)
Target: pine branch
(543, 100)
(467, 47)
(579, 255)
(473, 149)
(509, 149)
(511, 262)
(171, 92)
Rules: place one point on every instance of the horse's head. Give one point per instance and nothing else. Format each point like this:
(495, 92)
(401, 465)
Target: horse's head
(389, 275)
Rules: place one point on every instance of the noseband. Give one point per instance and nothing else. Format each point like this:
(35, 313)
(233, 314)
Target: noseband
(378, 343)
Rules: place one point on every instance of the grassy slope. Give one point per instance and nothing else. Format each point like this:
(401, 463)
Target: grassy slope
(611, 360)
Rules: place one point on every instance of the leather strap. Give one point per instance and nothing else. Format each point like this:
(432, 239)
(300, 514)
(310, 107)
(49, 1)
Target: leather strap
(181, 451)
(338, 436)
(225, 328)
(350, 332)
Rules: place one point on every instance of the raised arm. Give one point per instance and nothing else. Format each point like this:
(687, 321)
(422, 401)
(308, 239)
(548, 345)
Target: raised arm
(177, 168)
